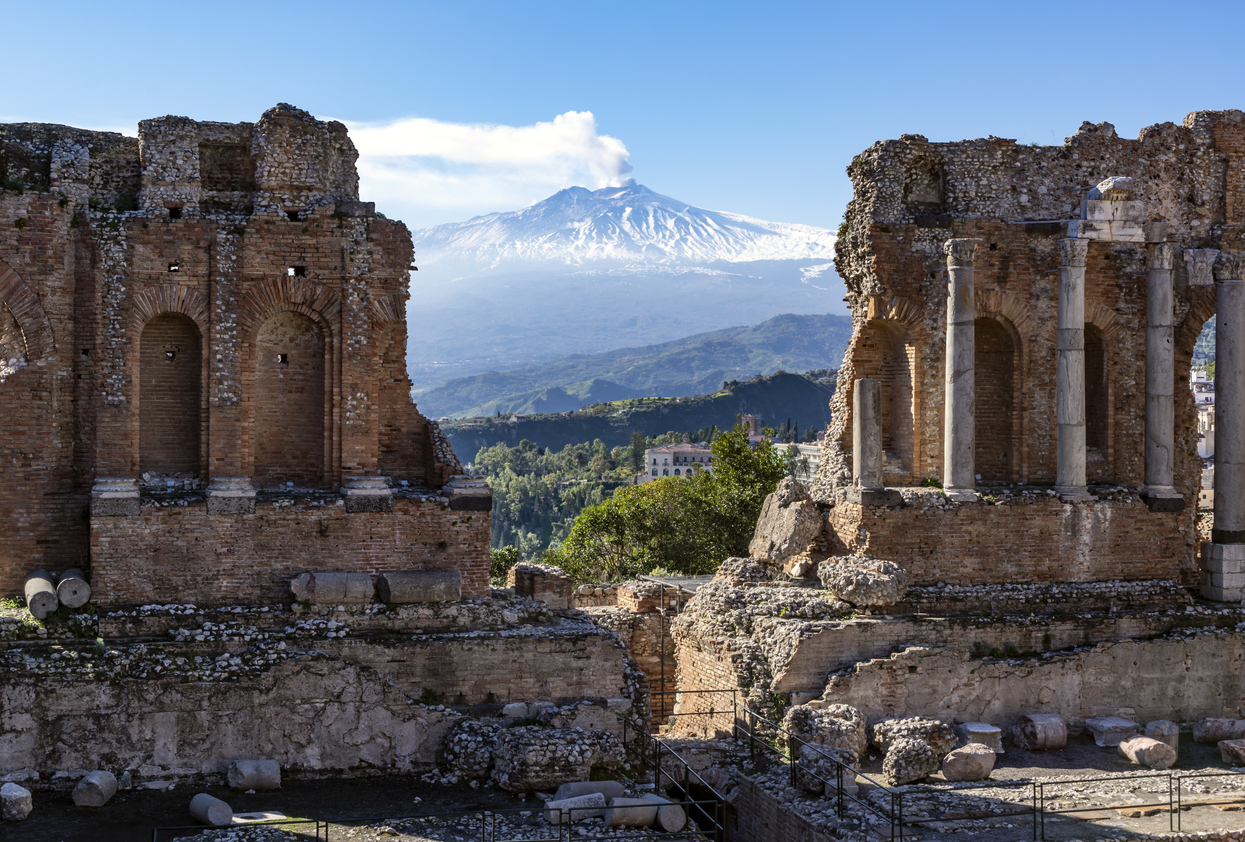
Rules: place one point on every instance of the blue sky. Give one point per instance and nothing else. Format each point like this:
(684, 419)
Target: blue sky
(755, 108)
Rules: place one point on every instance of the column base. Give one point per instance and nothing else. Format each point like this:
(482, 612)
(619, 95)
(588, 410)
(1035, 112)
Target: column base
(874, 496)
(1223, 572)
(115, 497)
(367, 494)
(1074, 494)
(961, 495)
(1162, 498)
(230, 496)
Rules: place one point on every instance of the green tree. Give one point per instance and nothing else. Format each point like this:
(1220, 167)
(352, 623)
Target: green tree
(683, 524)
(638, 446)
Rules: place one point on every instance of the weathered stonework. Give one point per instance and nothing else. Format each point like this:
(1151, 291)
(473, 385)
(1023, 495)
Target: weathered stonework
(208, 311)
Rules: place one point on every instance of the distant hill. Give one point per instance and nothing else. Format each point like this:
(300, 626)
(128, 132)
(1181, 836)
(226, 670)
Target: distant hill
(803, 399)
(694, 365)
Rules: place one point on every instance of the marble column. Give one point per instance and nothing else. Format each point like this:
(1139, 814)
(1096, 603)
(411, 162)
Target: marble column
(1070, 372)
(1160, 492)
(1223, 559)
(867, 479)
(960, 385)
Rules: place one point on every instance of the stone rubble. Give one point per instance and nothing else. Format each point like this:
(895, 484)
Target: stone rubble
(863, 581)
(15, 802)
(531, 758)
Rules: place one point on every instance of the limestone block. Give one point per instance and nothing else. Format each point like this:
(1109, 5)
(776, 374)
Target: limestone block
(1108, 731)
(909, 759)
(983, 733)
(1148, 752)
(863, 581)
(367, 494)
(631, 812)
(819, 766)
(15, 802)
(72, 589)
(939, 735)
(1232, 752)
(609, 789)
(258, 774)
(534, 758)
(576, 808)
(95, 789)
(332, 588)
(420, 586)
(1164, 731)
(973, 762)
(40, 591)
(837, 726)
(467, 750)
(210, 810)
(1215, 730)
(788, 525)
(671, 817)
(1040, 732)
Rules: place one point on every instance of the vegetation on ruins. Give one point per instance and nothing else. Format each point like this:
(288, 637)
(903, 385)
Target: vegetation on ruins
(686, 525)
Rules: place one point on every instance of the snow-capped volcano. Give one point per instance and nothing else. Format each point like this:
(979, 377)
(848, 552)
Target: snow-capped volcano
(617, 225)
(587, 271)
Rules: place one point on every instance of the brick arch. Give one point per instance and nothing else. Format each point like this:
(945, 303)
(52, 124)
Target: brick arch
(24, 304)
(388, 308)
(170, 298)
(1016, 312)
(885, 349)
(898, 309)
(266, 299)
(1190, 328)
(1103, 317)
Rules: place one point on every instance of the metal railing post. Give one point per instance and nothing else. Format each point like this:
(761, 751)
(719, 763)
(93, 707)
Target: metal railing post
(1042, 808)
(1035, 817)
(791, 749)
(838, 767)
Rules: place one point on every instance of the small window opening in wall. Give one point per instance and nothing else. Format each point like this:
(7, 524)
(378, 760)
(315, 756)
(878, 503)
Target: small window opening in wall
(994, 247)
(292, 216)
(86, 352)
(175, 212)
(175, 266)
(283, 359)
(297, 271)
(169, 356)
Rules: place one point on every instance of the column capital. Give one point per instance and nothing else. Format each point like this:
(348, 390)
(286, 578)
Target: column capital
(1200, 265)
(1230, 266)
(1073, 252)
(1163, 255)
(960, 251)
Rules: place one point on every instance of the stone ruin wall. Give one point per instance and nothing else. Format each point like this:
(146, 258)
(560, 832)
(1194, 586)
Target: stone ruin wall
(134, 271)
(911, 196)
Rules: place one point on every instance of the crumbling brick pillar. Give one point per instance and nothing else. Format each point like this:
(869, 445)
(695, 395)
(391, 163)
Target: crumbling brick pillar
(1160, 492)
(1223, 559)
(1070, 372)
(959, 423)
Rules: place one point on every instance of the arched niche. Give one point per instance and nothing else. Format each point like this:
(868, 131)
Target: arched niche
(289, 407)
(997, 434)
(170, 376)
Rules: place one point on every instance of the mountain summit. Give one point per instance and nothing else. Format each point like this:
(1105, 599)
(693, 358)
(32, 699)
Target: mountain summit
(588, 271)
(628, 224)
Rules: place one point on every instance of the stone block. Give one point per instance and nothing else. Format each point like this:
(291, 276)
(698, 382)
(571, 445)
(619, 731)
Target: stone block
(545, 582)
(863, 581)
(259, 774)
(40, 592)
(836, 726)
(910, 759)
(874, 496)
(95, 789)
(367, 494)
(420, 586)
(515, 710)
(1216, 729)
(469, 494)
(1164, 731)
(230, 496)
(72, 589)
(1232, 752)
(972, 762)
(1040, 732)
(1147, 751)
(608, 789)
(1108, 731)
(575, 808)
(361, 210)
(333, 588)
(788, 525)
(631, 812)
(115, 498)
(982, 733)
(1222, 558)
(15, 802)
(671, 817)
(532, 758)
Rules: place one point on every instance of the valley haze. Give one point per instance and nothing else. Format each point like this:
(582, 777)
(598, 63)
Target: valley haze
(586, 272)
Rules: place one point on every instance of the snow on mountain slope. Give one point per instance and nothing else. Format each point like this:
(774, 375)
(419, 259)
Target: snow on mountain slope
(618, 227)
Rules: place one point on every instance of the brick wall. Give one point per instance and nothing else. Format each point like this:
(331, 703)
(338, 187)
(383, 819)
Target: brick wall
(169, 395)
(181, 554)
(760, 817)
(289, 406)
(1027, 539)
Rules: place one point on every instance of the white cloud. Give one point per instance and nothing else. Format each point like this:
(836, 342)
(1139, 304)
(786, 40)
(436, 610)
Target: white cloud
(428, 171)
